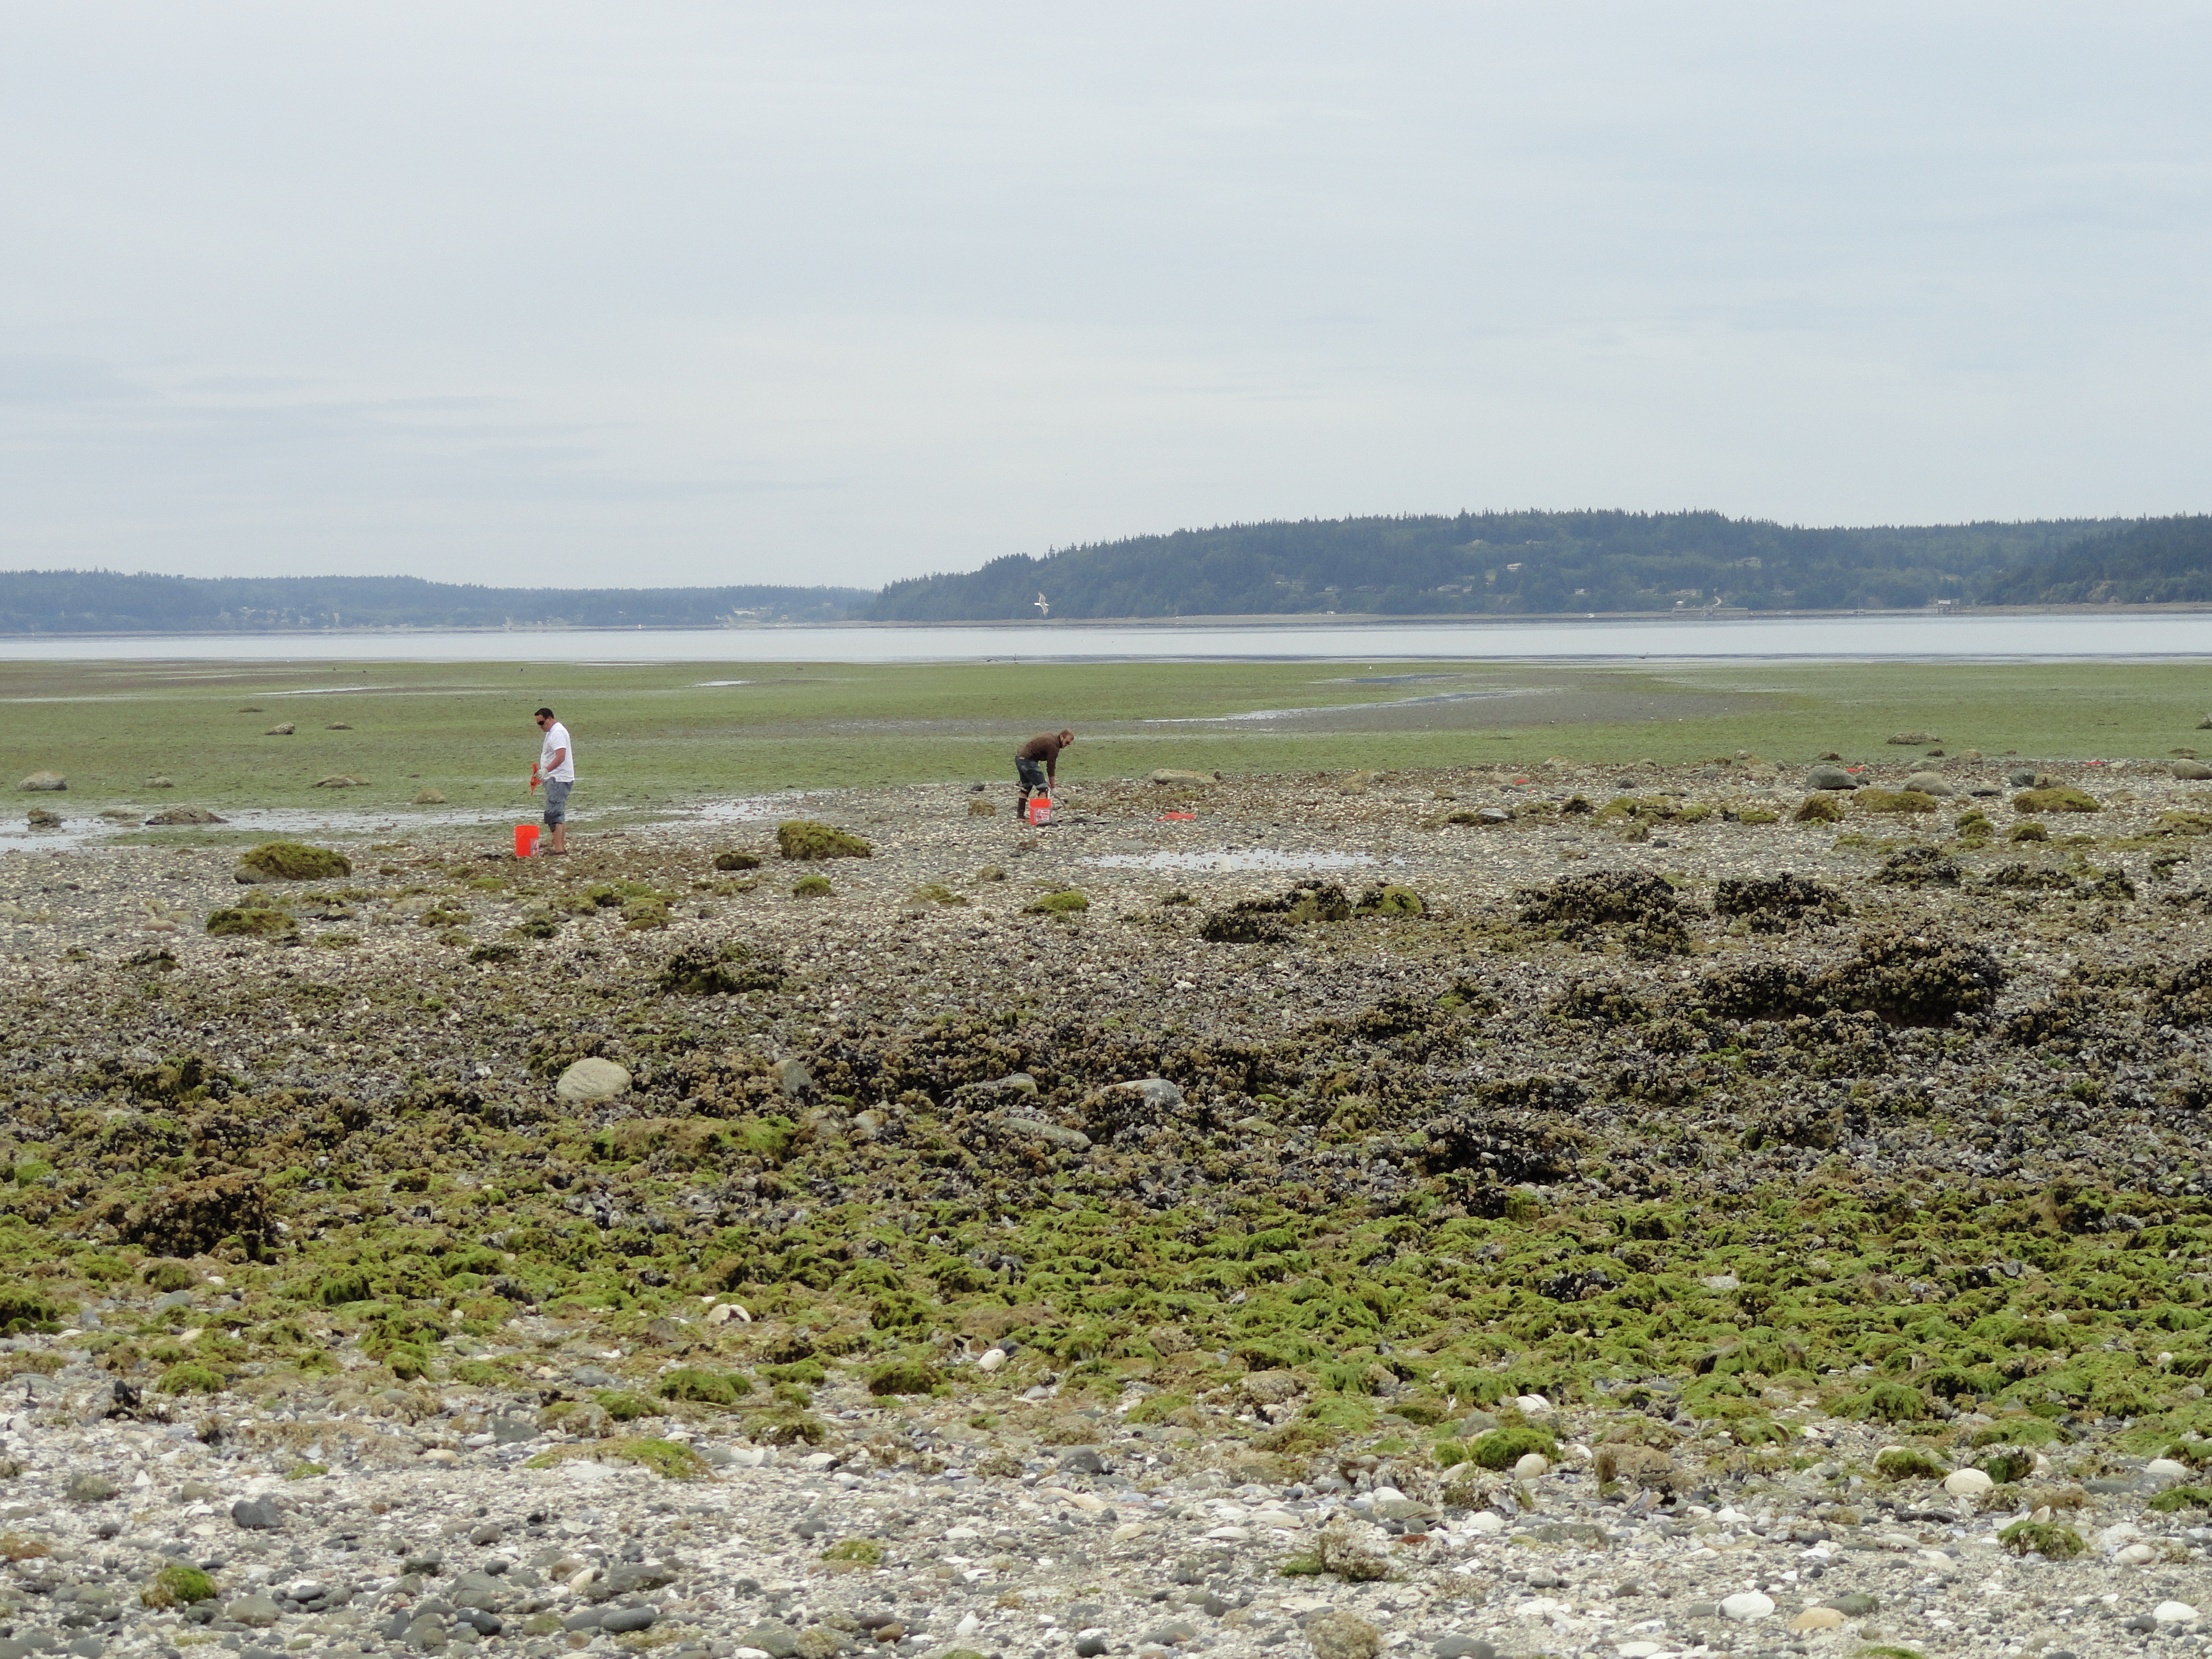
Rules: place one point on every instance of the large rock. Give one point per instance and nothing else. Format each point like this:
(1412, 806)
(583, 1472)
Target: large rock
(1930, 783)
(169, 815)
(40, 818)
(283, 731)
(256, 1514)
(1168, 774)
(2191, 771)
(1829, 777)
(590, 1080)
(44, 780)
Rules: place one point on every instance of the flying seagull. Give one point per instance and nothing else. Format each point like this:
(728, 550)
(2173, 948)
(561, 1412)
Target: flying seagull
(1044, 606)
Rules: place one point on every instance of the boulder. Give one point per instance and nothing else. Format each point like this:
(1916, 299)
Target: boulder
(1930, 783)
(284, 731)
(1168, 774)
(588, 1081)
(44, 780)
(1915, 739)
(1829, 777)
(427, 798)
(341, 781)
(171, 815)
(159, 783)
(2191, 771)
(40, 818)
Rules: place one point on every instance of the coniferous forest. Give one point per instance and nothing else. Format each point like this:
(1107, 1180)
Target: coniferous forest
(1525, 563)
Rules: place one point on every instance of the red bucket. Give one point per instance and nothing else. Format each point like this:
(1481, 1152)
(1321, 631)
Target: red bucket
(525, 840)
(1039, 810)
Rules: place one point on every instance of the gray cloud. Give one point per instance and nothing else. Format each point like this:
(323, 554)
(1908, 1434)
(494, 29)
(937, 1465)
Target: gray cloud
(695, 292)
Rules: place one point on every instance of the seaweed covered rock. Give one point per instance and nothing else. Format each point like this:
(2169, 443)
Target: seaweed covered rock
(1757, 990)
(706, 971)
(1914, 979)
(1772, 906)
(1917, 866)
(1894, 800)
(1638, 909)
(2061, 798)
(1393, 901)
(1818, 809)
(1535, 1142)
(44, 780)
(197, 1217)
(806, 838)
(179, 815)
(1269, 921)
(730, 861)
(291, 860)
(252, 921)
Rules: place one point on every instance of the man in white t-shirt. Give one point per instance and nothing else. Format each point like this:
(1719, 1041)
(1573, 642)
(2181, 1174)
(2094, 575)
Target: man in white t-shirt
(556, 770)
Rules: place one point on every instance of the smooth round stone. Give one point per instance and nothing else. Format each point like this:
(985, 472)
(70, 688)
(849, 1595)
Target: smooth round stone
(2173, 1612)
(2165, 1469)
(1930, 783)
(991, 1359)
(1968, 1483)
(1747, 1604)
(1533, 1404)
(1487, 1521)
(1819, 1619)
(2135, 1555)
(592, 1080)
(1532, 1466)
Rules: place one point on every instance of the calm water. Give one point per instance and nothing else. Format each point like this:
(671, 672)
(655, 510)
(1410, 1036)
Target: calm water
(1913, 635)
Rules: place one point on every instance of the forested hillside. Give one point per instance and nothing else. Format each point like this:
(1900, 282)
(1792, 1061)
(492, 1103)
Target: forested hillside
(104, 602)
(2157, 561)
(1497, 563)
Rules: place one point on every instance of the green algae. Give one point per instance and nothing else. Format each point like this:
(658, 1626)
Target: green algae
(1908, 1463)
(2048, 1538)
(670, 1459)
(806, 838)
(2064, 797)
(707, 1388)
(178, 1586)
(252, 922)
(1067, 902)
(1502, 1447)
(292, 860)
(1892, 800)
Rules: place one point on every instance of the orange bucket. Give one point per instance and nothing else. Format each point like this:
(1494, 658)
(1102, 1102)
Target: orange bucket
(1039, 809)
(525, 840)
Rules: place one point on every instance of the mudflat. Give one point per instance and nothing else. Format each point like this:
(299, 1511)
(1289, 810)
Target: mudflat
(1612, 1209)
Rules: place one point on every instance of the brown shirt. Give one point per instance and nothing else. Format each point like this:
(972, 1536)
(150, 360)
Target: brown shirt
(1045, 746)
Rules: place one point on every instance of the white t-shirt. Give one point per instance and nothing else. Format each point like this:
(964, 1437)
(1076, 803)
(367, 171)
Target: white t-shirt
(557, 737)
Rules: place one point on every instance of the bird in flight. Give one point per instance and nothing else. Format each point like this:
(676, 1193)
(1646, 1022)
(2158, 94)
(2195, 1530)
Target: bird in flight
(1044, 606)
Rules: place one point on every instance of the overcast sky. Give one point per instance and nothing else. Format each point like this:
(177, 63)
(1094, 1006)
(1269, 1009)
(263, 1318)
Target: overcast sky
(666, 293)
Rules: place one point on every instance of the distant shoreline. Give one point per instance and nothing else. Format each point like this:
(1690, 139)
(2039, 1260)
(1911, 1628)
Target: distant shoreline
(1302, 619)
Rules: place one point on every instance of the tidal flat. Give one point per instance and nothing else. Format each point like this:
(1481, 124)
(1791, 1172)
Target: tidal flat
(366, 739)
(1555, 1207)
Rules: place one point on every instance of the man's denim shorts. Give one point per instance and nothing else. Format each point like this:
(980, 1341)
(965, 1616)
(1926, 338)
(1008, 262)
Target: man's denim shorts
(557, 800)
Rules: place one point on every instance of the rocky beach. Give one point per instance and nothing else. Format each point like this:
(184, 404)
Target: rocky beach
(1626, 1210)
